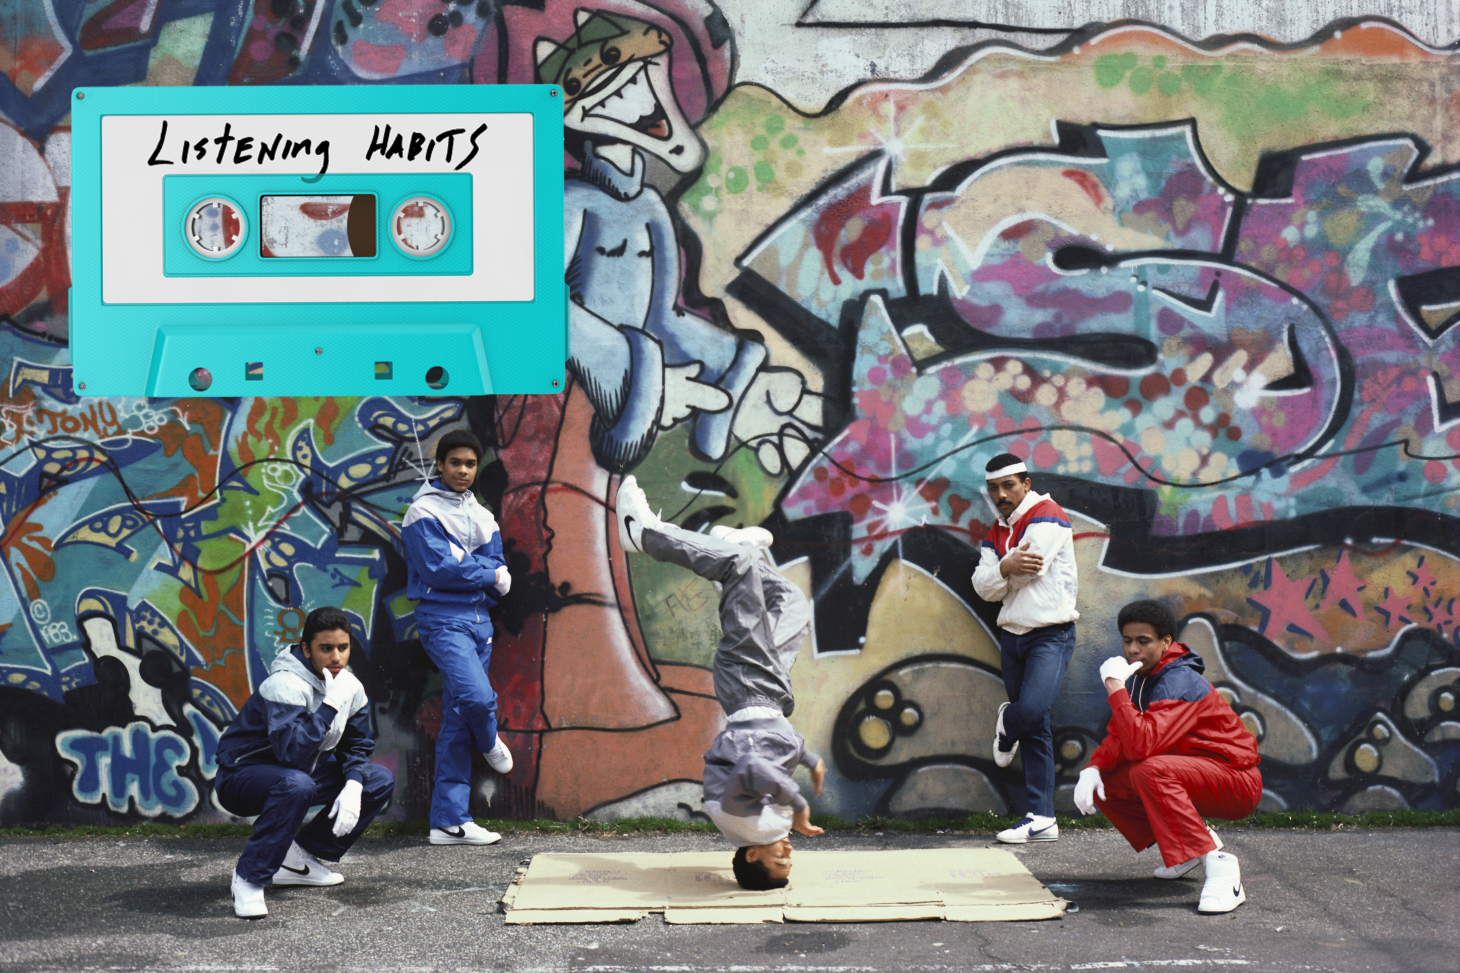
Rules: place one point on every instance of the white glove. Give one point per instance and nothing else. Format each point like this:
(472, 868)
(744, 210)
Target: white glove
(1086, 788)
(504, 580)
(1117, 668)
(346, 809)
(338, 689)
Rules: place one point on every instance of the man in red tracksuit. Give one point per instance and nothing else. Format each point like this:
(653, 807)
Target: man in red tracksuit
(1174, 753)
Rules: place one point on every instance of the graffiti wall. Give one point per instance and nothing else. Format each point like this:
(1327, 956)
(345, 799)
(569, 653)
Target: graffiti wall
(1205, 285)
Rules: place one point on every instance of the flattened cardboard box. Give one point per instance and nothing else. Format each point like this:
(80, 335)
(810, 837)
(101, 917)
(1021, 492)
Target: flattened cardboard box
(958, 884)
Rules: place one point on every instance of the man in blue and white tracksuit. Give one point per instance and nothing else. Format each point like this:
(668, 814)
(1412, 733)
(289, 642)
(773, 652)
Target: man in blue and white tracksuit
(456, 574)
(302, 740)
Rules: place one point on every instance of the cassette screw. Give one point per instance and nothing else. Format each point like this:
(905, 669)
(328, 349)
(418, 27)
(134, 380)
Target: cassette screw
(319, 351)
(551, 94)
(80, 95)
(555, 384)
(82, 386)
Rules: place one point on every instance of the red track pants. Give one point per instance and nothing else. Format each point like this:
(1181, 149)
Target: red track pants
(1164, 798)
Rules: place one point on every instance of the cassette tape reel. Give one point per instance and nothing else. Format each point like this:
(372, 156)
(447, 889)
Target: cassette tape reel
(350, 245)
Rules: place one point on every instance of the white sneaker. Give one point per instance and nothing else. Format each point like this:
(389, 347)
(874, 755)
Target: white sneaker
(1223, 889)
(248, 899)
(499, 758)
(756, 537)
(468, 833)
(634, 514)
(1176, 871)
(302, 868)
(1003, 758)
(1032, 828)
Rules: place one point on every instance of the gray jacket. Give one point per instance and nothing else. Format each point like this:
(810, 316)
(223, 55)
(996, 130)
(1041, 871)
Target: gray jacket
(749, 791)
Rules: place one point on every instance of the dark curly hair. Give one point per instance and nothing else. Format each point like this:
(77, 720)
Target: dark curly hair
(753, 875)
(1151, 613)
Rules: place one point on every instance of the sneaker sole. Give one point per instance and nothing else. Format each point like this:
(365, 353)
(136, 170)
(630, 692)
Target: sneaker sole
(1186, 868)
(1002, 759)
(1223, 911)
(1027, 841)
(463, 841)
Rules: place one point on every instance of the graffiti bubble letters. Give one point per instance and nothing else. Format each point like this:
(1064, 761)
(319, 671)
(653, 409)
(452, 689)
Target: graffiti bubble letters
(135, 764)
(244, 148)
(399, 147)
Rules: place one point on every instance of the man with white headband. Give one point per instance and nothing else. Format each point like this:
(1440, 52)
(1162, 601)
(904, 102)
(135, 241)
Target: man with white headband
(1027, 561)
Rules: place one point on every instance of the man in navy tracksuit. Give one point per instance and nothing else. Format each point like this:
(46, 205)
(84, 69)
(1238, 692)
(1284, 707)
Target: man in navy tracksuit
(303, 739)
(455, 572)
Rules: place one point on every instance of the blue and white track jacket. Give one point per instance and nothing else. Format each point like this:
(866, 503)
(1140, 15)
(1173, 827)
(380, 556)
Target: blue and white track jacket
(287, 723)
(453, 550)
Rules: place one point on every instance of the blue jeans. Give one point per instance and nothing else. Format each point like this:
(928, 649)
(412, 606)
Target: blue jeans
(461, 647)
(1034, 667)
(281, 796)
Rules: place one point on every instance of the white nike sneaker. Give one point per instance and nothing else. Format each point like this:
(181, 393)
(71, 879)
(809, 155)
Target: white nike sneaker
(499, 758)
(756, 537)
(1002, 757)
(467, 833)
(634, 514)
(248, 899)
(1176, 871)
(1223, 889)
(1033, 828)
(302, 868)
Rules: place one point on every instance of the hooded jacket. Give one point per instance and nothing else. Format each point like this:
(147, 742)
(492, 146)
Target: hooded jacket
(1031, 600)
(1173, 711)
(453, 550)
(287, 723)
(749, 792)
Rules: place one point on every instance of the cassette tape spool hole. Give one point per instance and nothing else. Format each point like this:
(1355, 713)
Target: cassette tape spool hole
(200, 379)
(437, 378)
(421, 226)
(215, 227)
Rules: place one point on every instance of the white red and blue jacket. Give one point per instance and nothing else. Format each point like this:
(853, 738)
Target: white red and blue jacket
(287, 723)
(1031, 600)
(1173, 711)
(453, 550)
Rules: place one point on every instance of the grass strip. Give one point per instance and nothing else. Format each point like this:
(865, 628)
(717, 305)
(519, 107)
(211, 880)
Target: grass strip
(970, 824)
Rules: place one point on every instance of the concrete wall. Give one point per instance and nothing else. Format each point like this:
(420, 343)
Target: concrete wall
(1201, 267)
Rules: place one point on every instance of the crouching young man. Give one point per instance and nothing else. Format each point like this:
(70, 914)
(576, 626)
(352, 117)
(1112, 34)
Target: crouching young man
(1175, 753)
(749, 791)
(303, 739)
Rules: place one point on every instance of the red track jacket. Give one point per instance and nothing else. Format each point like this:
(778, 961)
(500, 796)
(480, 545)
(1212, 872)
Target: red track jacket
(1173, 711)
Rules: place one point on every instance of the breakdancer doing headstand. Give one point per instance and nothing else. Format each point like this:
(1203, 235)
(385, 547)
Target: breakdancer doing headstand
(749, 791)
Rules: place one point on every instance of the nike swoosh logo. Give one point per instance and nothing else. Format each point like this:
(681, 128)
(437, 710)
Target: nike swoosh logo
(455, 833)
(1236, 890)
(296, 871)
(1041, 830)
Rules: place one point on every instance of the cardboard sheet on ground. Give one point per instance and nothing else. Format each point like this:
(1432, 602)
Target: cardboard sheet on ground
(961, 885)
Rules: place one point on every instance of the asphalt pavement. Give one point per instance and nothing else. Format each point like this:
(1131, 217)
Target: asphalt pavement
(1382, 900)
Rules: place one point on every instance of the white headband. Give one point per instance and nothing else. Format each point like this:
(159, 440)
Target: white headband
(1009, 470)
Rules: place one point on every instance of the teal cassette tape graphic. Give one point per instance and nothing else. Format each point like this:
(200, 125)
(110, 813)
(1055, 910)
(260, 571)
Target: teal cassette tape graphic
(319, 241)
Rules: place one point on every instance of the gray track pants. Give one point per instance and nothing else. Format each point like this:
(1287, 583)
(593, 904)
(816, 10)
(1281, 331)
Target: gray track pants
(763, 617)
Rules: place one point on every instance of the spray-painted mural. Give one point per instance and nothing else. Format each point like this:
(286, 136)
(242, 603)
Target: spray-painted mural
(1207, 290)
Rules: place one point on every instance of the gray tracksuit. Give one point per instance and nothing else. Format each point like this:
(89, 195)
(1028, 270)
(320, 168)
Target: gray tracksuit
(749, 792)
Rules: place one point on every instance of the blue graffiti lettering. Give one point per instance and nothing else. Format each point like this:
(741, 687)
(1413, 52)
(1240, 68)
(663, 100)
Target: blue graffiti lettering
(134, 767)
